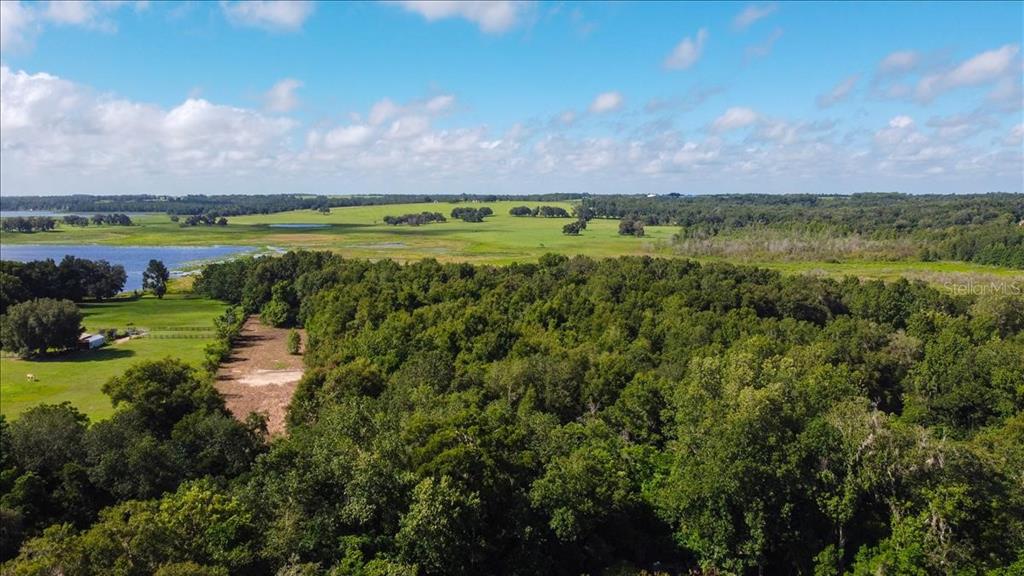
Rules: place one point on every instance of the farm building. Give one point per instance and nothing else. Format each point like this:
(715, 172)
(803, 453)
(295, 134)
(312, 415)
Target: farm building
(91, 341)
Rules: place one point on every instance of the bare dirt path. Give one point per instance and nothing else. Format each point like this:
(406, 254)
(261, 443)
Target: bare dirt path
(260, 375)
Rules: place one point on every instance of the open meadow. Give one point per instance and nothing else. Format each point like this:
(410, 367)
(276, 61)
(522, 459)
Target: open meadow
(359, 232)
(179, 326)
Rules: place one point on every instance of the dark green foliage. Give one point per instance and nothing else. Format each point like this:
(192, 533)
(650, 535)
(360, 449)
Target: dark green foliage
(566, 417)
(27, 224)
(36, 326)
(415, 219)
(155, 278)
(630, 226)
(294, 341)
(469, 214)
(74, 279)
(574, 228)
(162, 392)
(112, 219)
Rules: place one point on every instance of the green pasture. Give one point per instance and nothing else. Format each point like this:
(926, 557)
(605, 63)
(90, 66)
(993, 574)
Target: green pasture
(359, 232)
(79, 376)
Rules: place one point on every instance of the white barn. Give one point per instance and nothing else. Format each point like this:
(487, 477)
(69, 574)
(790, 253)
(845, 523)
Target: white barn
(91, 341)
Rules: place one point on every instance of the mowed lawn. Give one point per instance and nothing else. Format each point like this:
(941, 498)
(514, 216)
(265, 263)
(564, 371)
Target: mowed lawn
(79, 376)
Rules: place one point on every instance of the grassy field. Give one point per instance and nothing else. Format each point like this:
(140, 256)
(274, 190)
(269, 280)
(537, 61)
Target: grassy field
(79, 376)
(359, 232)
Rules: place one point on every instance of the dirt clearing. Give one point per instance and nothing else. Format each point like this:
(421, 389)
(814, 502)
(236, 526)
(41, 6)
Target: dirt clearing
(260, 375)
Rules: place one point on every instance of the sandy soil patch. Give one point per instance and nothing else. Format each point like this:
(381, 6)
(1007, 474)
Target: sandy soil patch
(260, 375)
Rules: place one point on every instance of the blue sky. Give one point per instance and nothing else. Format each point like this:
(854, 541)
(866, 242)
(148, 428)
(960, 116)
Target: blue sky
(377, 97)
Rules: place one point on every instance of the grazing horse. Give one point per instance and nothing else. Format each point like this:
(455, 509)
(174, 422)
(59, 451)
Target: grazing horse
(31, 377)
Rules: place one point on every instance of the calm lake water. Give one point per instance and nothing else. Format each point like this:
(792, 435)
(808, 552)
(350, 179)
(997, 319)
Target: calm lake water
(133, 258)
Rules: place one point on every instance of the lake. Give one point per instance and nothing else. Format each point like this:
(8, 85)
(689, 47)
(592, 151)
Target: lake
(133, 258)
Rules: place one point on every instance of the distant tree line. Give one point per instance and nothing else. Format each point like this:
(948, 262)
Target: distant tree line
(46, 223)
(541, 211)
(240, 204)
(415, 219)
(891, 214)
(469, 214)
(74, 279)
(982, 228)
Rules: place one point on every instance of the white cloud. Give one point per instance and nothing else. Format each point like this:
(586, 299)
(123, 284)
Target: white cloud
(382, 111)
(281, 97)
(958, 127)
(899, 62)
(60, 136)
(753, 13)
(50, 124)
(687, 52)
(900, 122)
(267, 14)
(983, 68)
(606, 102)
(839, 92)
(20, 22)
(439, 104)
(345, 136)
(1015, 138)
(15, 24)
(764, 48)
(734, 118)
(408, 127)
(491, 16)
(386, 109)
(71, 11)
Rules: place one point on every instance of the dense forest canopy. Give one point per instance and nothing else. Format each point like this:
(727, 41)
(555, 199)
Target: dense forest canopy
(566, 417)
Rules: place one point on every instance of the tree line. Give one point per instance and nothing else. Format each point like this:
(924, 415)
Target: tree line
(47, 223)
(241, 204)
(74, 279)
(629, 416)
(886, 213)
